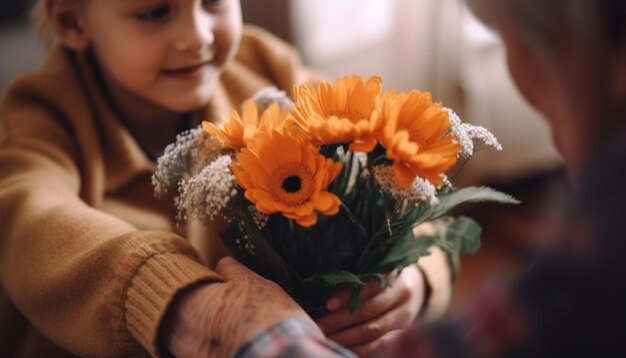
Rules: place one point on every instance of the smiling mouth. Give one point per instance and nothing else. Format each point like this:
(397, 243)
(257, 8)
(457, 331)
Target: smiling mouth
(187, 71)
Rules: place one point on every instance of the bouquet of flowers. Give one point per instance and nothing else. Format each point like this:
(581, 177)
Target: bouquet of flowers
(324, 192)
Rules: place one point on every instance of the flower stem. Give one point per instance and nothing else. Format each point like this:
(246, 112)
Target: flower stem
(361, 230)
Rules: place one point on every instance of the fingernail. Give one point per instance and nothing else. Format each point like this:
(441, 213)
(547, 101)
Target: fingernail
(333, 304)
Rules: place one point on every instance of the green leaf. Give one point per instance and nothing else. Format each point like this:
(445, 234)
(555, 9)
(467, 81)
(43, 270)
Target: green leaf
(457, 236)
(335, 279)
(258, 255)
(470, 242)
(404, 252)
(382, 281)
(449, 201)
(355, 301)
(331, 282)
(465, 234)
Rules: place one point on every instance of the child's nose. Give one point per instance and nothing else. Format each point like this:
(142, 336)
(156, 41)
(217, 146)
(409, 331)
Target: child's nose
(196, 32)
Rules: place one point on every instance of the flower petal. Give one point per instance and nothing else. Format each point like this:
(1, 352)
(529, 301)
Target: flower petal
(307, 221)
(404, 175)
(251, 164)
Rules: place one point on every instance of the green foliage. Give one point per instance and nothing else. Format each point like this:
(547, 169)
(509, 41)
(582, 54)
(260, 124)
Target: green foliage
(371, 236)
(457, 236)
(405, 252)
(450, 198)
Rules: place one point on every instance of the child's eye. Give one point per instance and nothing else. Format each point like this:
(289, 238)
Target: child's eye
(153, 14)
(213, 3)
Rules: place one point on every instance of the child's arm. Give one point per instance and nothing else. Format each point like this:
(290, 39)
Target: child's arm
(88, 281)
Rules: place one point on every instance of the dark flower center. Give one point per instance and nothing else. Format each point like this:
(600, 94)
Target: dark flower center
(292, 184)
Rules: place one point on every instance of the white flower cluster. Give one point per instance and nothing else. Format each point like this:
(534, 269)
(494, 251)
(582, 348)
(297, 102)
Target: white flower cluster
(268, 95)
(361, 158)
(192, 150)
(244, 243)
(421, 190)
(471, 138)
(482, 138)
(260, 219)
(208, 192)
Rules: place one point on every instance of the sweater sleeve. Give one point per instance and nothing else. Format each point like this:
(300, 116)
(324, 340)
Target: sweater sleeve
(438, 274)
(437, 271)
(91, 283)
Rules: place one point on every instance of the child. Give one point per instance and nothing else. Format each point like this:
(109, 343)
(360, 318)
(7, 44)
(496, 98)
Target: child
(92, 263)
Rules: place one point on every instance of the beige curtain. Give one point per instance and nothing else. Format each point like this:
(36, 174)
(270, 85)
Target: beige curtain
(434, 45)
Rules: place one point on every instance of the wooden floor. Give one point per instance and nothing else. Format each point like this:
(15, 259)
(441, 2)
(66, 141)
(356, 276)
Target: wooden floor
(510, 232)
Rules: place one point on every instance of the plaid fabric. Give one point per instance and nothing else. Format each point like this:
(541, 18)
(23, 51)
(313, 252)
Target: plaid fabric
(294, 338)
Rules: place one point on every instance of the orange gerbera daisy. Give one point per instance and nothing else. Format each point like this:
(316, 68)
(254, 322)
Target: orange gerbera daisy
(239, 129)
(338, 113)
(415, 133)
(281, 171)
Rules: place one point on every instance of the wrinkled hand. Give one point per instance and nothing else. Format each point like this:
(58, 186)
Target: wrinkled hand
(213, 320)
(384, 313)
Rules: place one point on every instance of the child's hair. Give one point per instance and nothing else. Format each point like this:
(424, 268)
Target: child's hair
(39, 20)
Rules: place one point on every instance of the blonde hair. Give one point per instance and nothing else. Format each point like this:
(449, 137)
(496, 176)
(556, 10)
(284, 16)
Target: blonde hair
(40, 22)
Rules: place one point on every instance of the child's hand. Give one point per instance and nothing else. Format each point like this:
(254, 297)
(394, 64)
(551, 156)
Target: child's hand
(383, 314)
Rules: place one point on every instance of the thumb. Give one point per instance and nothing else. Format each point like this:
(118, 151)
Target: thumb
(231, 268)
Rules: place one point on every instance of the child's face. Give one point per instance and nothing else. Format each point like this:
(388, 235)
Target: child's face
(167, 52)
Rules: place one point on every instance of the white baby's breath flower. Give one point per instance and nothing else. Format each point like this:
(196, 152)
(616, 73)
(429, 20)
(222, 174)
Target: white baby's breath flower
(260, 219)
(192, 150)
(268, 95)
(245, 243)
(459, 131)
(361, 158)
(421, 190)
(207, 193)
(358, 163)
(482, 137)
(471, 138)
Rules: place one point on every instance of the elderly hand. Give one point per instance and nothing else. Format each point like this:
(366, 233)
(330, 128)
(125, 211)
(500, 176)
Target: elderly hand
(214, 319)
(381, 317)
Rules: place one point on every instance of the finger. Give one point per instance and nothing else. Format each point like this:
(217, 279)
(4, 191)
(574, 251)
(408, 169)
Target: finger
(379, 347)
(371, 308)
(365, 332)
(250, 285)
(424, 229)
(342, 299)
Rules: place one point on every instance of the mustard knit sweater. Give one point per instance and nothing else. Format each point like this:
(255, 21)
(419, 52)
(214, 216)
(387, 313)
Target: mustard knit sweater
(89, 259)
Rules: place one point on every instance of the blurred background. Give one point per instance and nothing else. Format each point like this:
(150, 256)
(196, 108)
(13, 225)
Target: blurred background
(19, 49)
(433, 45)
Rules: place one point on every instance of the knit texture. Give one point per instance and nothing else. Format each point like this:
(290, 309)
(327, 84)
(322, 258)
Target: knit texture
(151, 291)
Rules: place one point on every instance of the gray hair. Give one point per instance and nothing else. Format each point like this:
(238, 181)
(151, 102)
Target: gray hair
(547, 23)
